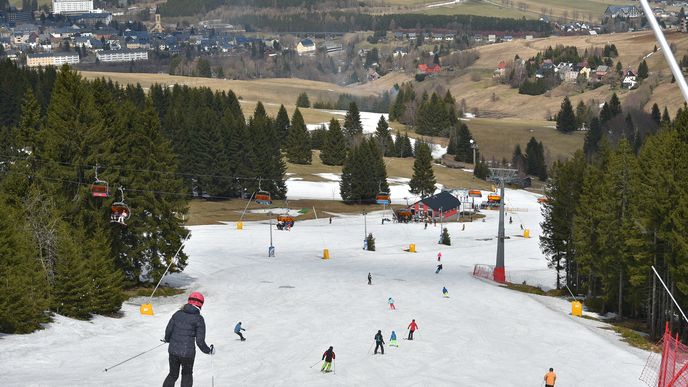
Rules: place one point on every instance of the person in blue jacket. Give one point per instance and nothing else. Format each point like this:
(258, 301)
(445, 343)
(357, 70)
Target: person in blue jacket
(393, 340)
(238, 329)
(445, 292)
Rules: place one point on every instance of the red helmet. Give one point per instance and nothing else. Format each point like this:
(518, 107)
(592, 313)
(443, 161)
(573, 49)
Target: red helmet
(196, 299)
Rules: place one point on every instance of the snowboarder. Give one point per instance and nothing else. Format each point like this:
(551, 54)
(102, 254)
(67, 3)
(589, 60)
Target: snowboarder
(370, 279)
(464, 227)
(328, 356)
(186, 326)
(412, 328)
(511, 220)
(393, 340)
(238, 329)
(445, 292)
(391, 304)
(379, 341)
(426, 226)
(550, 378)
(439, 267)
(330, 220)
(439, 256)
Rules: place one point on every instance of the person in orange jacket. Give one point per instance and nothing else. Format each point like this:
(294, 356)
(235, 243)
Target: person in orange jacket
(412, 328)
(550, 378)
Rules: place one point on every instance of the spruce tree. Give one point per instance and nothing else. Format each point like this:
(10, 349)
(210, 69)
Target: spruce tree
(384, 138)
(302, 101)
(370, 242)
(24, 288)
(666, 119)
(298, 141)
(364, 173)
(423, 180)
(282, 124)
(518, 160)
(334, 150)
(71, 294)
(642, 70)
(532, 157)
(269, 163)
(29, 124)
(464, 150)
(352, 122)
(656, 114)
(614, 105)
(106, 279)
(445, 239)
(566, 119)
(592, 139)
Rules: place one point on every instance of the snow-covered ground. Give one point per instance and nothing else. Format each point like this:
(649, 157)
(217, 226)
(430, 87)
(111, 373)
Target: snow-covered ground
(295, 305)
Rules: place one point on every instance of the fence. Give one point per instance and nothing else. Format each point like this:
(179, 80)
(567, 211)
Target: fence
(669, 368)
(484, 271)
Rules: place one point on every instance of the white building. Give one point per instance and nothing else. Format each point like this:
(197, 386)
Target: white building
(57, 59)
(122, 55)
(72, 6)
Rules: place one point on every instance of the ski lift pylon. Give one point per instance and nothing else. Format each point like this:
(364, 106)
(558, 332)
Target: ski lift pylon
(99, 188)
(119, 211)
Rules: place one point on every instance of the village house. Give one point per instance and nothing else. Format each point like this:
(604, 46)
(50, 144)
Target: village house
(629, 79)
(601, 71)
(626, 11)
(125, 55)
(50, 59)
(429, 69)
(399, 52)
(305, 47)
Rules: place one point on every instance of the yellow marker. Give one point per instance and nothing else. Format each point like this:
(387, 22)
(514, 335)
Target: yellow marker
(147, 309)
(326, 254)
(240, 225)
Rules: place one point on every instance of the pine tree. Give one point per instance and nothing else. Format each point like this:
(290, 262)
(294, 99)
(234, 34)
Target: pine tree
(370, 242)
(406, 147)
(542, 164)
(29, 124)
(282, 124)
(533, 158)
(24, 288)
(298, 141)
(423, 180)
(592, 139)
(445, 239)
(642, 70)
(464, 149)
(518, 160)
(364, 173)
(614, 105)
(72, 291)
(481, 170)
(269, 163)
(106, 280)
(384, 138)
(352, 122)
(666, 120)
(302, 101)
(566, 119)
(334, 150)
(655, 114)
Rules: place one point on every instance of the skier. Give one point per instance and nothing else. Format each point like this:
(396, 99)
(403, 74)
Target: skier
(550, 378)
(445, 292)
(328, 356)
(439, 256)
(238, 329)
(426, 225)
(186, 326)
(463, 228)
(330, 220)
(393, 340)
(370, 279)
(391, 304)
(439, 267)
(379, 341)
(412, 328)
(511, 220)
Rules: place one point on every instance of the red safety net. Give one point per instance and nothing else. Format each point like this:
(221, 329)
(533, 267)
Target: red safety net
(669, 368)
(484, 271)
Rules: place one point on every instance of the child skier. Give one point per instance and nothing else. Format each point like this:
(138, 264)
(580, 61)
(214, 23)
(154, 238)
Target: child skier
(379, 341)
(391, 304)
(370, 279)
(328, 356)
(393, 340)
(439, 267)
(445, 292)
(238, 329)
(439, 256)
(412, 328)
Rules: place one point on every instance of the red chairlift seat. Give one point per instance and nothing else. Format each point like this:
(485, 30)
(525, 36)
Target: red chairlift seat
(119, 213)
(475, 193)
(263, 198)
(383, 198)
(100, 189)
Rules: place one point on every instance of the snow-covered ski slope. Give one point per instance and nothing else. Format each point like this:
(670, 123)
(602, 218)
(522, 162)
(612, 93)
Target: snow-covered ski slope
(295, 305)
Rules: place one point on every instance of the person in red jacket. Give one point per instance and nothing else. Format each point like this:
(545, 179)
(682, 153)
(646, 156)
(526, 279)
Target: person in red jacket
(412, 328)
(328, 356)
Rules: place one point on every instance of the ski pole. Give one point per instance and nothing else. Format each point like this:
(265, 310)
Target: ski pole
(134, 357)
(314, 364)
(334, 366)
(370, 349)
(212, 370)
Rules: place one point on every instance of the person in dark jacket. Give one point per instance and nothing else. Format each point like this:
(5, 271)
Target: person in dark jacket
(328, 356)
(370, 279)
(185, 330)
(379, 341)
(238, 329)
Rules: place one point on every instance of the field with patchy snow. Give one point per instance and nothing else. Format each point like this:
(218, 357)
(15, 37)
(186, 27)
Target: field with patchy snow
(295, 305)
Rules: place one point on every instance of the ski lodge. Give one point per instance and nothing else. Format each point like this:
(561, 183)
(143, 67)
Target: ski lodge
(442, 205)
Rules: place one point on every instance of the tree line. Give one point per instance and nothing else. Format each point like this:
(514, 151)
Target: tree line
(614, 210)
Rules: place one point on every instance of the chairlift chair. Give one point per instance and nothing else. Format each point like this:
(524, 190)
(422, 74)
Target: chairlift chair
(263, 197)
(99, 188)
(382, 197)
(119, 211)
(475, 193)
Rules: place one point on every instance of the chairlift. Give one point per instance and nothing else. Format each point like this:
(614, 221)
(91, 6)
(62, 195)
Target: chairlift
(99, 188)
(382, 196)
(263, 197)
(475, 193)
(542, 199)
(494, 198)
(119, 211)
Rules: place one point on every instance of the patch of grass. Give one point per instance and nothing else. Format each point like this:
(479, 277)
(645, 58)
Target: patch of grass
(145, 291)
(634, 338)
(530, 289)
